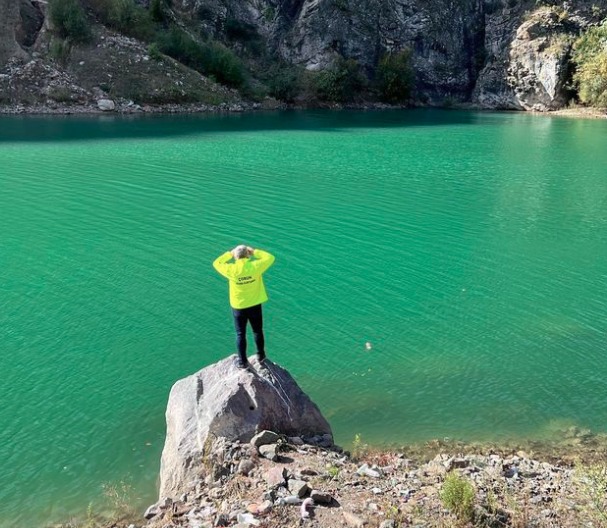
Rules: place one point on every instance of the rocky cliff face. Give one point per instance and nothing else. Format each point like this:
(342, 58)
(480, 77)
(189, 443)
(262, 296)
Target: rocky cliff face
(493, 53)
(13, 26)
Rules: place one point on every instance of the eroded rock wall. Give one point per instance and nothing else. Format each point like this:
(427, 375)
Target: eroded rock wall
(10, 24)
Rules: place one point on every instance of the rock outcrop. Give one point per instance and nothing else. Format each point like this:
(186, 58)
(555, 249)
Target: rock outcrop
(223, 402)
(10, 21)
(539, 60)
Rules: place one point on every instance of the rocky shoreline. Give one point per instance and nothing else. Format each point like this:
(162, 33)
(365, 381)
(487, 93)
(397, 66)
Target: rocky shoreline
(129, 108)
(276, 481)
(283, 484)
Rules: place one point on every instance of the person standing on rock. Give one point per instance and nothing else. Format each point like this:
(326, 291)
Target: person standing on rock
(244, 266)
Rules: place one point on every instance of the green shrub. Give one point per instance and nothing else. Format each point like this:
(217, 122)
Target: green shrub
(159, 10)
(359, 448)
(394, 76)
(268, 14)
(333, 472)
(240, 31)
(592, 484)
(154, 52)
(225, 65)
(592, 80)
(457, 495)
(342, 5)
(60, 50)
(180, 46)
(340, 83)
(69, 19)
(284, 82)
(129, 18)
(590, 57)
(210, 58)
(60, 94)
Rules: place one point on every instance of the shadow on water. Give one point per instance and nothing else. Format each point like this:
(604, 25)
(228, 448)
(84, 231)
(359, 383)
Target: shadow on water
(78, 128)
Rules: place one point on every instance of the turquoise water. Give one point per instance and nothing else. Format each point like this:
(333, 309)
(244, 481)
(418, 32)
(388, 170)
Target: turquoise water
(469, 250)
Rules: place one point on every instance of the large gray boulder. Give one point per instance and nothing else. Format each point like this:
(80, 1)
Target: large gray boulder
(222, 401)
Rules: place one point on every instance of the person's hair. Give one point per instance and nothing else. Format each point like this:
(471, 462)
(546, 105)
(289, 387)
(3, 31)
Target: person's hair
(241, 251)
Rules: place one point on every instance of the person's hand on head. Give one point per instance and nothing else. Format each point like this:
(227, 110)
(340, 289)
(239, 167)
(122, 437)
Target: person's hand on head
(250, 250)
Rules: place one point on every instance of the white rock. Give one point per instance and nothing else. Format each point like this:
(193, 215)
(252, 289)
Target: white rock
(366, 471)
(107, 105)
(247, 518)
(291, 499)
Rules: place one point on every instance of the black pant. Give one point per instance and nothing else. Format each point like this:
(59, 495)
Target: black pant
(254, 316)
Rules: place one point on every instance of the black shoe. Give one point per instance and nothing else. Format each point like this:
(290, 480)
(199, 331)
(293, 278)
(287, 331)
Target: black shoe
(242, 364)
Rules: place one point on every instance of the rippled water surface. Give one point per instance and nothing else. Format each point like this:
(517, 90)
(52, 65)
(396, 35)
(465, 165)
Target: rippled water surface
(468, 249)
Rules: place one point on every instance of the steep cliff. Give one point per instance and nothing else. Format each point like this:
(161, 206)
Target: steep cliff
(511, 54)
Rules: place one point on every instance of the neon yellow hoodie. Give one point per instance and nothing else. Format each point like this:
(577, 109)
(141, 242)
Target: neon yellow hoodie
(244, 275)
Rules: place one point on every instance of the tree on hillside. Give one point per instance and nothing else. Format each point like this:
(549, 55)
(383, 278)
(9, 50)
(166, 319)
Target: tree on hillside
(69, 20)
(394, 76)
(590, 56)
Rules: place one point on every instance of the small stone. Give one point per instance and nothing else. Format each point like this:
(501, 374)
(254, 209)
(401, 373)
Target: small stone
(245, 467)
(265, 507)
(180, 508)
(459, 463)
(353, 520)
(216, 493)
(296, 440)
(276, 477)
(440, 465)
(376, 491)
(222, 520)
(207, 512)
(291, 499)
(269, 495)
(366, 471)
(264, 438)
(389, 523)
(309, 472)
(151, 512)
(269, 452)
(165, 503)
(320, 497)
(298, 487)
(247, 519)
(326, 440)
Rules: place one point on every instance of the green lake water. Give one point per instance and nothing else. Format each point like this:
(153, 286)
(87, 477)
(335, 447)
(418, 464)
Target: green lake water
(469, 250)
